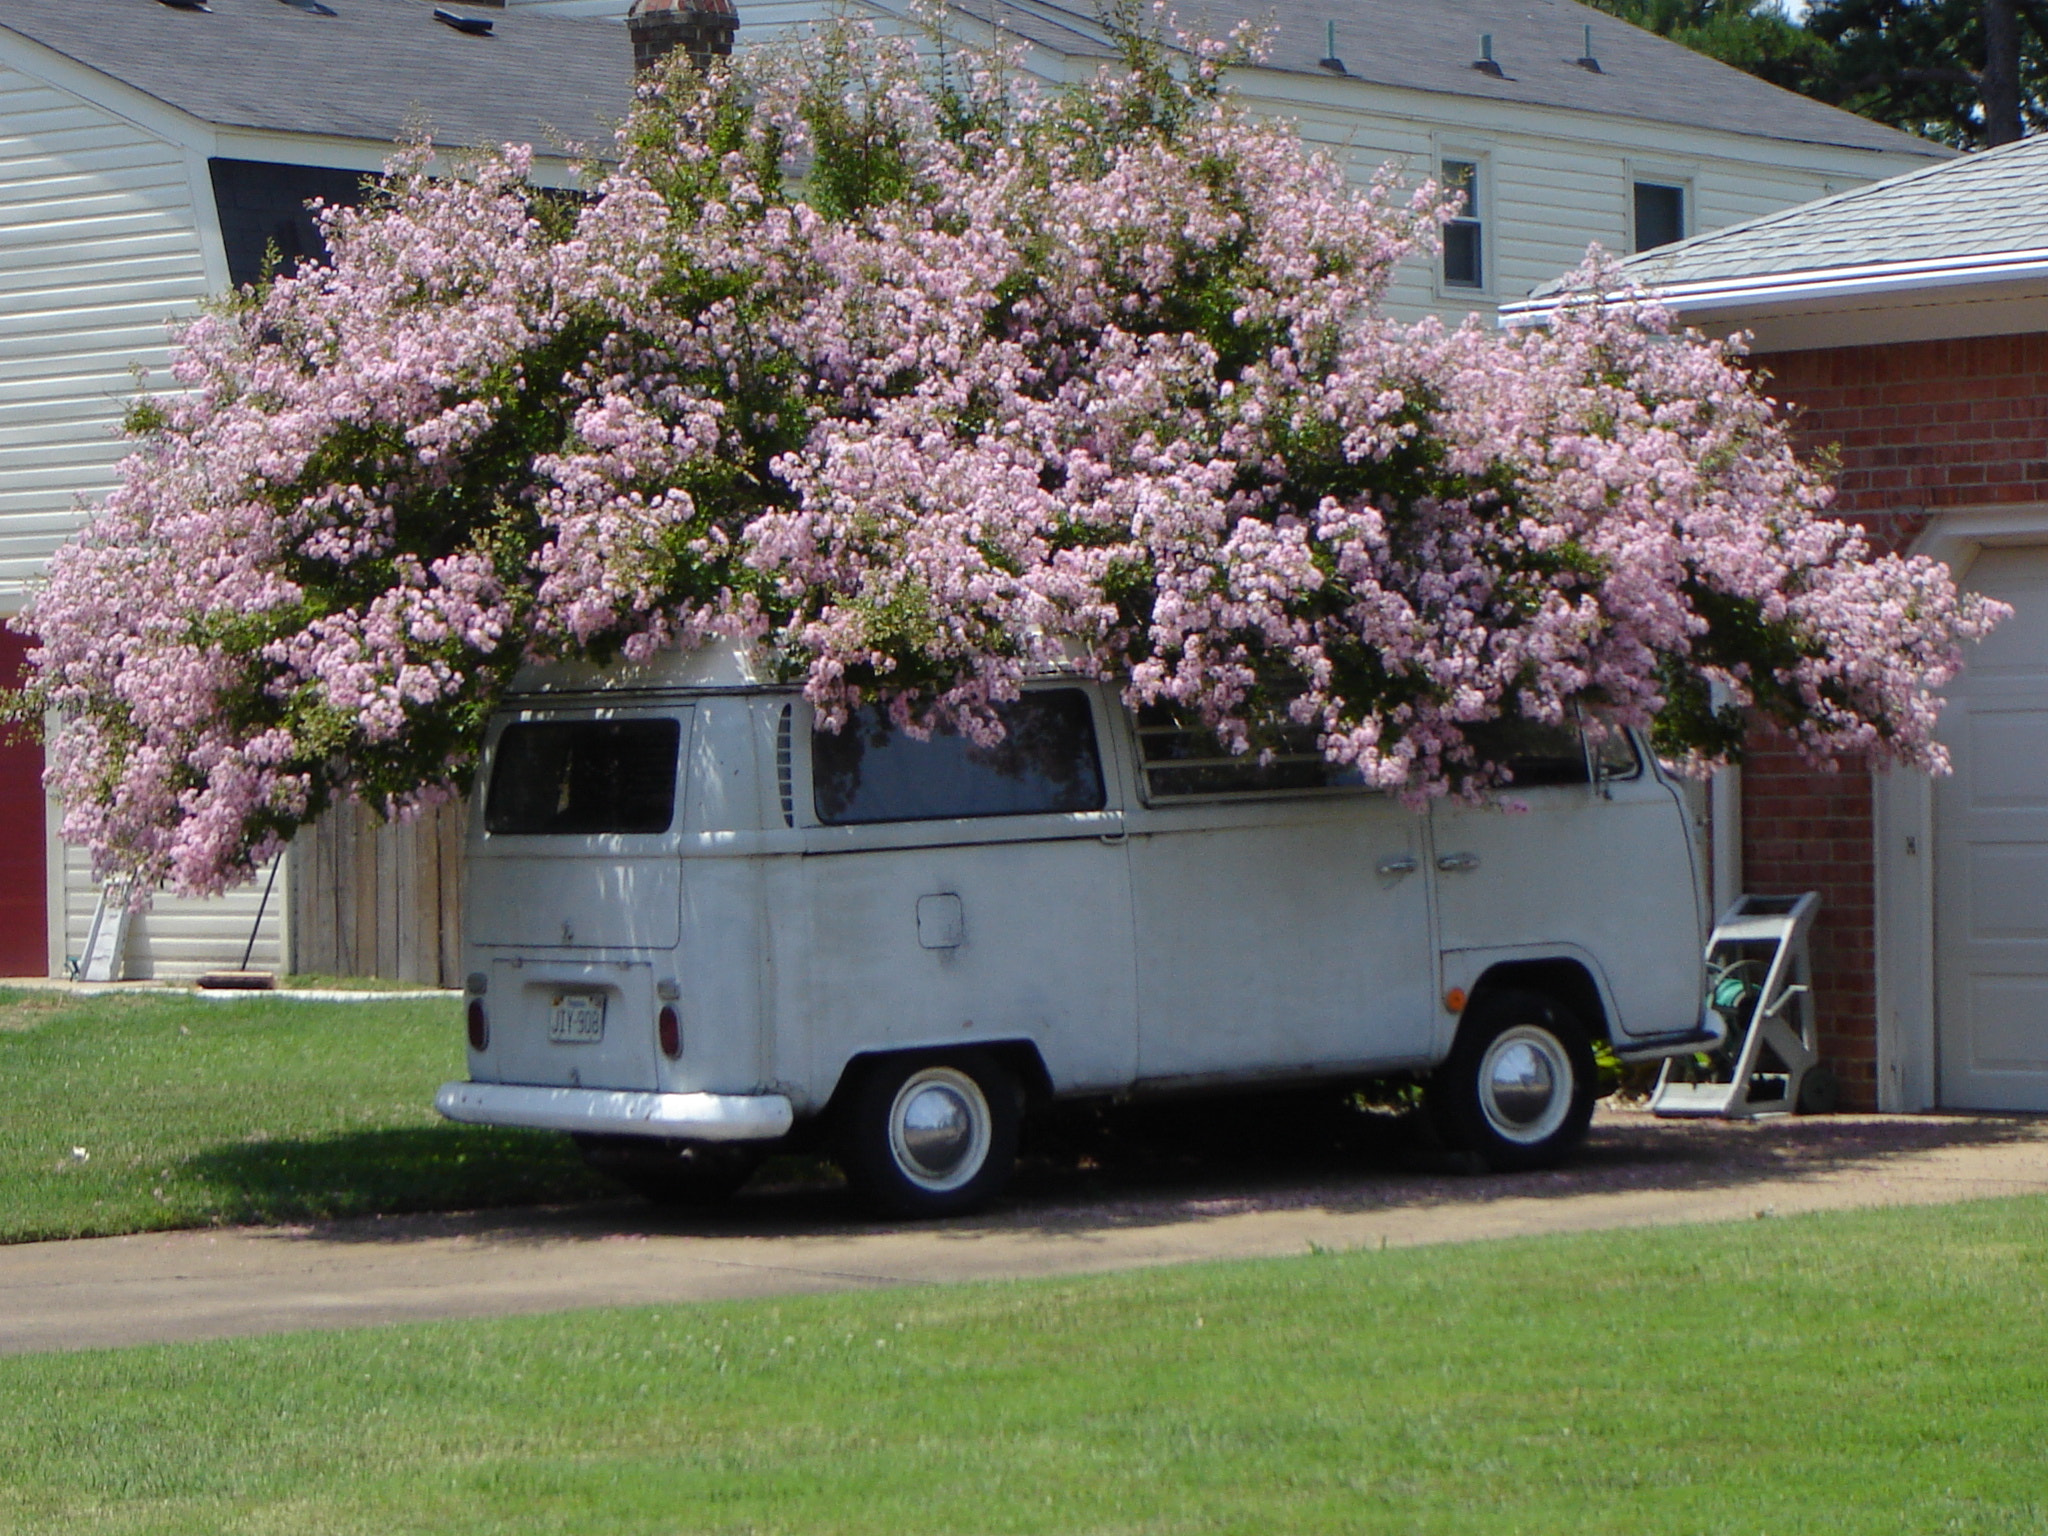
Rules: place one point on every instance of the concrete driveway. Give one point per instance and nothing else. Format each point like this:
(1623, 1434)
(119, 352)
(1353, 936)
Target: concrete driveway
(1181, 1205)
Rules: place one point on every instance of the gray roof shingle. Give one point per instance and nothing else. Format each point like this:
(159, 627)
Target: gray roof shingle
(372, 71)
(1985, 204)
(1430, 45)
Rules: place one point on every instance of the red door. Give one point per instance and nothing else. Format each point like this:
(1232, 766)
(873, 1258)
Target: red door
(24, 946)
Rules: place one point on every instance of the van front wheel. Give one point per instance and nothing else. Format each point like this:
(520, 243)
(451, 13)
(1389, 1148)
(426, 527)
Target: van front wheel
(932, 1138)
(1518, 1086)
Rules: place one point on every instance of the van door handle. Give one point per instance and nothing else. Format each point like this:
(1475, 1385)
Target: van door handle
(1455, 861)
(1400, 864)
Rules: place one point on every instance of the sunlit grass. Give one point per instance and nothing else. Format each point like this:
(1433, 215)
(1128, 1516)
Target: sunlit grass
(1862, 1372)
(128, 1112)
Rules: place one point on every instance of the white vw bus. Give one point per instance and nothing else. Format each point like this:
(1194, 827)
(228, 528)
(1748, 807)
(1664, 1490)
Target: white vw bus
(698, 929)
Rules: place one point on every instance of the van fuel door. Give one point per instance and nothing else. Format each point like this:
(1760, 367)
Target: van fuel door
(941, 921)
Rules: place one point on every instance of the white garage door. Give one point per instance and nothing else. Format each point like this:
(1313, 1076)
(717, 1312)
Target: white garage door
(1991, 853)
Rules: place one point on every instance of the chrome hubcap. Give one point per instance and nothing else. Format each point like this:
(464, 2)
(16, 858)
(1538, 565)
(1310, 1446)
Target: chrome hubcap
(939, 1128)
(1525, 1084)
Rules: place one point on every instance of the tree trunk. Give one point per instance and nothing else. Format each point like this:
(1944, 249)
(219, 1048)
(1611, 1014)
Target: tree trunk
(2000, 83)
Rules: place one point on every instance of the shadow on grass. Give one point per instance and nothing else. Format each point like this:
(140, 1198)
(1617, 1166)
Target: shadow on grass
(431, 1168)
(1143, 1166)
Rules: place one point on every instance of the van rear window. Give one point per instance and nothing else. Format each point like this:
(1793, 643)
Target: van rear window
(1046, 764)
(571, 777)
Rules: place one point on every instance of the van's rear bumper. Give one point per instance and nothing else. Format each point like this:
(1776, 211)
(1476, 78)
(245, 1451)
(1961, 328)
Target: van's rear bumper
(607, 1112)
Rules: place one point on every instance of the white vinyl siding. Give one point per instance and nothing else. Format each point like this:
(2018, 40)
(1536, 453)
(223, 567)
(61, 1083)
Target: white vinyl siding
(99, 225)
(1558, 180)
(103, 246)
(179, 938)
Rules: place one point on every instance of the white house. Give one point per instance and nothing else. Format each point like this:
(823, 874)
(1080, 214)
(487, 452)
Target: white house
(148, 154)
(150, 149)
(1568, 126)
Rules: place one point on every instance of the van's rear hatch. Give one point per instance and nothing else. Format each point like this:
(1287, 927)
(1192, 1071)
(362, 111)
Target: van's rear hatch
(575, 892)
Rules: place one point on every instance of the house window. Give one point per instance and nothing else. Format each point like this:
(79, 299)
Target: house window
(1660, 214)
(1046, 764)
(263, 206)
(1464, 247)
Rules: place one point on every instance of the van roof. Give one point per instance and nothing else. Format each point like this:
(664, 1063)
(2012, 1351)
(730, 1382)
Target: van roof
(720, 664)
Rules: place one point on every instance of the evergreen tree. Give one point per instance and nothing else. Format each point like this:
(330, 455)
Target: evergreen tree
(1967, 72)
(1756, 36)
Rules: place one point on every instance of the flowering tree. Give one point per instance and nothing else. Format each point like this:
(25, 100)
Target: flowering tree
(924, 383)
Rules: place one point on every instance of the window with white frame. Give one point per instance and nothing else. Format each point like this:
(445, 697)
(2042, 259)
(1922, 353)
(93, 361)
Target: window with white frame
(1465, 235)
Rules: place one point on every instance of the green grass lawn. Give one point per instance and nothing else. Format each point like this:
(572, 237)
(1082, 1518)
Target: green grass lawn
(127, 1112)
(1866, 1372)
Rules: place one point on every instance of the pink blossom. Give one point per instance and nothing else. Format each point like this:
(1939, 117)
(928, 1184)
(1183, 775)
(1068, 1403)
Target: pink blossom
(929, 383)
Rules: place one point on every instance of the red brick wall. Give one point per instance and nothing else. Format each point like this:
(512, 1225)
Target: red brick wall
(1919, 427)
(1925, 424)
(1807, 831)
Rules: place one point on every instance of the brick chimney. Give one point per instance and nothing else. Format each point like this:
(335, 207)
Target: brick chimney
(703, 27)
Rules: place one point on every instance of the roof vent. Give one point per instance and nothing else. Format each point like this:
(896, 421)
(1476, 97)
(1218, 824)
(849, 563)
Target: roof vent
(474, 26)
(187, 5)
(1485, 63)
(312, 7)
(1586, 60)
(1329, 60)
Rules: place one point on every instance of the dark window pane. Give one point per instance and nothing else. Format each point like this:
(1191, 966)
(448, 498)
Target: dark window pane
(1660, 215)
(1464, 251)
(1183, 759)
(1462, 265)
(1047, 763)
(261, 204)
(584, 776)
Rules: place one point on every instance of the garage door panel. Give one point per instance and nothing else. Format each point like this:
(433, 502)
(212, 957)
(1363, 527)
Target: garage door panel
(2006, 753)
(2009, 1018)
(2020, 644)
(2005, 895)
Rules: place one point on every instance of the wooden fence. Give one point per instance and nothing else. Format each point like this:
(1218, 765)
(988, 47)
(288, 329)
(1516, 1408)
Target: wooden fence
(377, 899)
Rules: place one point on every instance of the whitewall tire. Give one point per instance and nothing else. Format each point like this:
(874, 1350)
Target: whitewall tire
(932, 1137)
(1518, 1086)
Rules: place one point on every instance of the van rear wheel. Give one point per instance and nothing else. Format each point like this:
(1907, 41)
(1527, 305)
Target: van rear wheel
(1518, 1086)
(672, 1173)
(932, 1137)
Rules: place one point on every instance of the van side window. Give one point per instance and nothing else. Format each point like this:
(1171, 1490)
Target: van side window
(1543, 755)
(1182, 758)
(1046, 763)
(579, 777)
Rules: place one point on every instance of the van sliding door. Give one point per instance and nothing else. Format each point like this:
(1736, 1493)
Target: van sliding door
(958, 892)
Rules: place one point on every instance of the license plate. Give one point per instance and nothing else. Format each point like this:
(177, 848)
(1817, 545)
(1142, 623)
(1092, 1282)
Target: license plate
(577, 1018)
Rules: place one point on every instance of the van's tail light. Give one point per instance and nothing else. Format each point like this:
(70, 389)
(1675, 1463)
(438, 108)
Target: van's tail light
(479, 1026)
(669, 1030)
